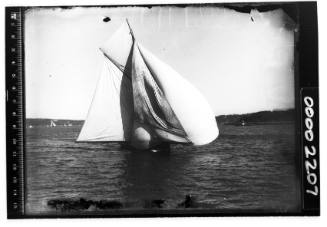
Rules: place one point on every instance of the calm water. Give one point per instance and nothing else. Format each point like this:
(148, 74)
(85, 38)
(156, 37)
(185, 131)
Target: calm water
(246, 168)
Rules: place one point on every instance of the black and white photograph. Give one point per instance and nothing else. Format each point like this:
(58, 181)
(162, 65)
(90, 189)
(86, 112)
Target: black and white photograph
(162, 110)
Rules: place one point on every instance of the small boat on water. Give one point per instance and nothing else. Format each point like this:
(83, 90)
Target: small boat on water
(243, 123)
(68, 124)
(143, 101)
(52, 124)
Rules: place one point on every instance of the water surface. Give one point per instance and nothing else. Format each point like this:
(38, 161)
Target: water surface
(246, 168)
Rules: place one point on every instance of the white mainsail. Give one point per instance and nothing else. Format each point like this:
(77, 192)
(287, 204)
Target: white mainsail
(144, 101)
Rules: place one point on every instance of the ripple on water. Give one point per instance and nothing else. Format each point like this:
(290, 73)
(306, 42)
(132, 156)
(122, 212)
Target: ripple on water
(245, 168)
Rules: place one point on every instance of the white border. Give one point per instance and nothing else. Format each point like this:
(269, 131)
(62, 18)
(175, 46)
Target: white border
(214, 221)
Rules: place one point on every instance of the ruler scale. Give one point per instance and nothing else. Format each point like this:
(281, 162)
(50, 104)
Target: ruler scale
(15, 111)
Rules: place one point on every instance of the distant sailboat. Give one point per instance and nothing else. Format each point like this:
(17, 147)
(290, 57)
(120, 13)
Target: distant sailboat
(141, 100)
(52, 124)
(243, 123)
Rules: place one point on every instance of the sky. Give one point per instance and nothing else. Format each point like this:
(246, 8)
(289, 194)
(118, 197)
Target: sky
(241, 65)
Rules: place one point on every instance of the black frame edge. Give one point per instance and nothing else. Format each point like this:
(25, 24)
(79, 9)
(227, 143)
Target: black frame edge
(308, 77)
(308, 83)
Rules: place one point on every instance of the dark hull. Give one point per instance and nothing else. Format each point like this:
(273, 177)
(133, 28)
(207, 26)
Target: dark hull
(162, 147)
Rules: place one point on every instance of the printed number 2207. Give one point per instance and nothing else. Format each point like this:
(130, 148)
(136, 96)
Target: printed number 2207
(310, 151)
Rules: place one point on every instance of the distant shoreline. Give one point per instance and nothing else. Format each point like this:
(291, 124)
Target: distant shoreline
(262, 123)
(257, 118)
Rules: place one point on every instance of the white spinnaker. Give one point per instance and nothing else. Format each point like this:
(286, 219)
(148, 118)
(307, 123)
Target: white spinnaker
(111, 111)
(191, 108)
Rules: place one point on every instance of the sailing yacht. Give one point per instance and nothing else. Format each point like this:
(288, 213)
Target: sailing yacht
(143, 101)
(52, 124)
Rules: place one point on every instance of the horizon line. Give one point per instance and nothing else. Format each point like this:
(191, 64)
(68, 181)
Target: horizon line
(276, 110)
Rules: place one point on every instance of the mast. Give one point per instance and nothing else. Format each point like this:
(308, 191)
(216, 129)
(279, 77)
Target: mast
(130, 29)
